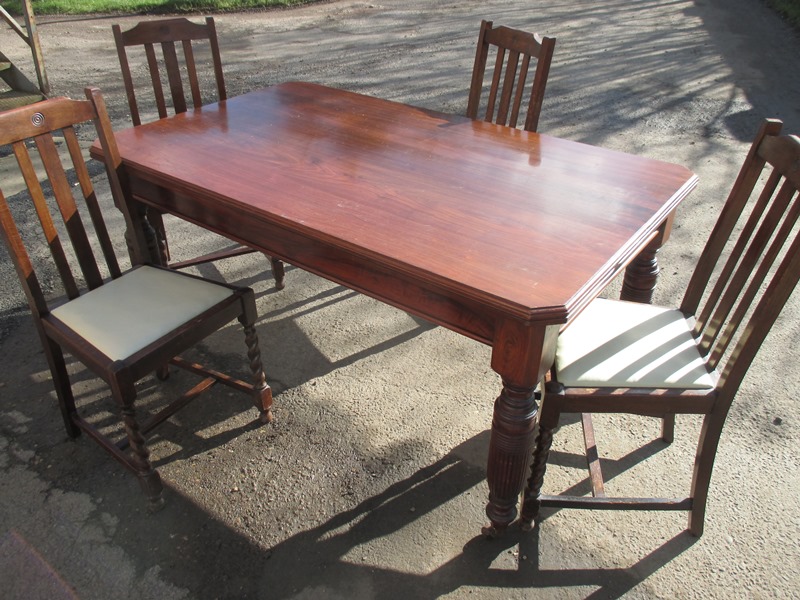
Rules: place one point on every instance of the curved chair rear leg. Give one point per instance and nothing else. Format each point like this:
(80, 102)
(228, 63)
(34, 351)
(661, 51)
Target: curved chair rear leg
(139, 459)
(703, 466)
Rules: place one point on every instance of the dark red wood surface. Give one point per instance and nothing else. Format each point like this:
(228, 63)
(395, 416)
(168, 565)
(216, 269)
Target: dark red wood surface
(497, 233)
(521, 222)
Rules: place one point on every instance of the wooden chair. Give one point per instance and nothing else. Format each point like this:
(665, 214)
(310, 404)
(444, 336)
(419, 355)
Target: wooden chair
(120, 325)
(510, 45)
(170, 34)
(622, 357)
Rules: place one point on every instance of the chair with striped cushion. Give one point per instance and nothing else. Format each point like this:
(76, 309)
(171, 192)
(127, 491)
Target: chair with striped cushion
(622, 357)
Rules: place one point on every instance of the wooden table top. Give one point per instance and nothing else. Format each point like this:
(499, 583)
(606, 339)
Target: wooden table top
(525, 224)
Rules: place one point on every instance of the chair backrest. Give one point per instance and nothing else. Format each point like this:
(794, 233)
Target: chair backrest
(510, 45)
(737, 300)
(169, 34)
(43, 133)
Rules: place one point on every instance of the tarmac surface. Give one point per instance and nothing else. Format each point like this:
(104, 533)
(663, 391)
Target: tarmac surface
(370, 483)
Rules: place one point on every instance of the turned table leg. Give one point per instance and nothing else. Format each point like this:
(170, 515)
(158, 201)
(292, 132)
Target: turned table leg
(522, 353)
(641, 275)
(510, 451)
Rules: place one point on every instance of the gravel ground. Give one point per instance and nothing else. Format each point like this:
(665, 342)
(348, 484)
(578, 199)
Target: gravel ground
(370, 483)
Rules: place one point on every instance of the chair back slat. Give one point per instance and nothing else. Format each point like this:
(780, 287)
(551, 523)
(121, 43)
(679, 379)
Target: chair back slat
(38, 123)
(520, 89)
(510, 45)
(216, 59)
(70, 216)
(169, 34)
(154, 69)
(735, 270)
(92, 206)
(508, 88)
(760, 276)
(496, 75)
(45, 220)
(761, 268)
(191, 71)
(174, 76)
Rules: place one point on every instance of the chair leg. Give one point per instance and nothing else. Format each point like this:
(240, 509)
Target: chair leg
(262, 393)
(162, 373)
(149, 479)
(703, 466)
(548, 420)
(668, 428)
(58, 371)
(278, 271)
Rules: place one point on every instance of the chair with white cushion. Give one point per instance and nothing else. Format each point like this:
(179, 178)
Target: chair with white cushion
(121, 325)
(623, 357)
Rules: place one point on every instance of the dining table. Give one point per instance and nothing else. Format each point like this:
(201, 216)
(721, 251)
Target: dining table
(498, 234)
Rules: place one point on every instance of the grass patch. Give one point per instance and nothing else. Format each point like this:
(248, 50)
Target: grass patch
(789, 9)
(79, 7)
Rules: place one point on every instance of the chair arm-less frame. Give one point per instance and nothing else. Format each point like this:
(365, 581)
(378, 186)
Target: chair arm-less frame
(122, 325)
(622, 357)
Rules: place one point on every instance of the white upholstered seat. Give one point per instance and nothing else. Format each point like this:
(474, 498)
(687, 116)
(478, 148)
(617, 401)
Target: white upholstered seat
(126, 314)
(631, 345)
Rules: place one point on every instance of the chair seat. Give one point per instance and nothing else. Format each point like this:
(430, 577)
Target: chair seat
(631, 345)
(130, 312)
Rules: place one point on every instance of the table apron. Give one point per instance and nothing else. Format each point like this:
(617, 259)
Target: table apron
(394, 287)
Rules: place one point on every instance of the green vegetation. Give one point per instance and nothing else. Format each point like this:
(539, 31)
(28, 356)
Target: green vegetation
(790, 9)
(76, 7)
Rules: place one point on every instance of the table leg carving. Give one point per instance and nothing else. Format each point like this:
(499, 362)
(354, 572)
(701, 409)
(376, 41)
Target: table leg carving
(278, 271)
(642, 274)
(510, 451)
(156, 235)
(153, 251)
